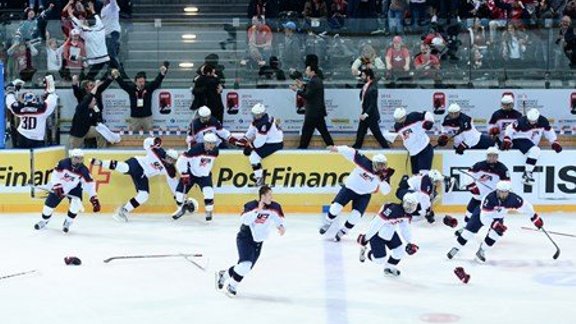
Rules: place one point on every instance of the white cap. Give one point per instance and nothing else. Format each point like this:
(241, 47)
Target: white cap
(258, 109)
(533, 114)
(507, 99)
(171, 153)
(492, 150)
(76, 153)
(410, 198)
(504, 186)
(74, 32)
(210, 138)
(435, 175)
(436, 41)
(379, 158)
(399, 113)
(453, 108)
(204, 111)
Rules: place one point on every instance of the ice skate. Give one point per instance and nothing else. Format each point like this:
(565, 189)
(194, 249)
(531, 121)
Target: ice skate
(208, 216)
(179, 212)
(95, 162)
(120, 215)
(339, 235)
(459, 232)
(66, 225)
(527, 178)
(362, 256)
(452, 252)
(259, 182)
(391, 272)
(324, 228)
(40, 225)
(230, 290)
(220, 279)
(480, 255)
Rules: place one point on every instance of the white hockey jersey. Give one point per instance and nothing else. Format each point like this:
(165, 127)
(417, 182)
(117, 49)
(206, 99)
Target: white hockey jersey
(523, 129)
(391, 219)
(501, 119)
(264, 131)
(425, 191)
(487, 175)
(364, 179)
(71, 177)
(494, 208)
(32, 116)
(260, 222)
(197, 161)
(153, 163)
(198, 129)
(464, 127)
(412, 133)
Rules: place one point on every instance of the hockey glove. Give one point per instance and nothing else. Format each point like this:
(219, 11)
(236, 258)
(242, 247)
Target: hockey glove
(499, 228)
(430, 217)
(427, 125)
(248, 150)
(557, 147)
(95, 204)
(494, 131)
(362, 240)
(411, 248)
(538, 222)
(442, 140)
(157, 142)
(461, 148)
(233, 141)
(507, 143)
(58, 191)
(473, 188)
(387, 174)
(450, 221)
(185, 179)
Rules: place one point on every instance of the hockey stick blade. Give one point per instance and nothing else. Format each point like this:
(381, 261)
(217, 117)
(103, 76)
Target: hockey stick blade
(557, 253)
(150, 256)
(202, 267)
(17, 274)
(549, 232)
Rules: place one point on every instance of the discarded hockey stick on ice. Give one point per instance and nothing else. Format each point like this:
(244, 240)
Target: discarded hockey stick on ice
(151, 256)
(549, 232)
(17, 274)
(557, 253)
(202, 266)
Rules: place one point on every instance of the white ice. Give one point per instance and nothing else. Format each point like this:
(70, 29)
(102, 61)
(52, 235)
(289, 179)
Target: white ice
(300, 277)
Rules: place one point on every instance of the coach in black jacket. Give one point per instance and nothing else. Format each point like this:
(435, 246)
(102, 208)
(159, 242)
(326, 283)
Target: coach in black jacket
(315, 108)
(85, 117)
(370, 116)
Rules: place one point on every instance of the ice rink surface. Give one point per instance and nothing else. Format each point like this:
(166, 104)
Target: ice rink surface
(300, 277)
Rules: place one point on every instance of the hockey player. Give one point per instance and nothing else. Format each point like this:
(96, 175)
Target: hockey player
(257, 219)
(425, 187)
(525, 134)
(263, 138)
(157, 161)
(195, 167)
(501, 118)
(383, 233)
(32, 113)
(462, 129)
(412, 128)
(367, 177)
(206, 123)
(68, 180)
(494, 207)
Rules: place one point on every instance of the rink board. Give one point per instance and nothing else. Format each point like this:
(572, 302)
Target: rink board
(303, 181)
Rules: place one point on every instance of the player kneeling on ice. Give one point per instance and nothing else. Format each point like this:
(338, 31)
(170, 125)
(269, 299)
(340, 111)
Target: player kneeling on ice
(68, 179)
(140, 169)
(367, 177)
(257, 219)
(494, 207)
(425, 187)
(383, 233)
(195, 167)
(263, 138)
(525, 135)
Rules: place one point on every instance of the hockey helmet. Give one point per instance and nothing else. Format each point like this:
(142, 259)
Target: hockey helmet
(503, 188)
(492, 154)
(171, 156)
(435, 175)
(533, 115)
(29, 98)
(258, 109)
(399, 114)
(76, 155)
(204, 113)
(379, 161)
(454, 108)
(410, 203)
(507, 99)
(210, 138)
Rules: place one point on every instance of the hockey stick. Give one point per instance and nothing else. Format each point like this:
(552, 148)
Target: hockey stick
(150, 256)
(200, 266)
(17, 274)
(557, 253)
(475, 179)
(549, 232)
(66, 196)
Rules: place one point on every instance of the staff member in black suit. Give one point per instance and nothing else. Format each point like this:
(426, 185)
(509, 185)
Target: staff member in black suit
(370, 116)
(315, 109)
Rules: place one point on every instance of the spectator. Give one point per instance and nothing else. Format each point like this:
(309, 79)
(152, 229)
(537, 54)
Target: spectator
(552, 9)
(271, 74)
(111, 20)
(22, 54)
(370, 116)
(291, 6)
(292, 50)
(338, 11)
(396, 16)
(367, 60)
(86, 116)
(418, 10)
(74, 54)
(259, 41)
(54, 54)
(41, 4)
(397, 57)
(200, 86)
(426, 63)
(570, 44)
(315, 9)
(66, 22)
(140, 93)
(34, 26)
(513, 46)
(263, 8)
(213, 60)
(315, 113)
(479, 43)
(207, 91)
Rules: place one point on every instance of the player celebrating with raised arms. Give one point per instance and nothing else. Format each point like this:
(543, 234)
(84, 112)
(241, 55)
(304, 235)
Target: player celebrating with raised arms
(195, 167)
(412, 129)
(257, 219)
(68, 179)
(387, 230)
(157, 161)
(494, 207)
(367, 177)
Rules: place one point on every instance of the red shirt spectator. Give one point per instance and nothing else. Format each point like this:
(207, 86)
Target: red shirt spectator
(259, 33)
(74, 51)
(426, 62)
(398, 56)
(66, 21)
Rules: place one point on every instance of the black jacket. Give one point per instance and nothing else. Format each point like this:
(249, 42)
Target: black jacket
(84, 117)
(370, 103)
(80, 93)
(146, 94)
(313, 94)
